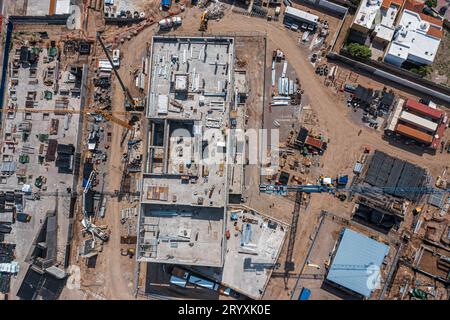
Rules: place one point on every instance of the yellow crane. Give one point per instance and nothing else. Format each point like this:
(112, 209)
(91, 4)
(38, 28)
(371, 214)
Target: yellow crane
(105, 114)
(204, 21)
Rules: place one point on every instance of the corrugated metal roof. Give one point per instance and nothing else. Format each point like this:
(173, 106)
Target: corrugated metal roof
(396, 115)
(418, 121)
(302, 15)
(423, 109)
(355, 253)
(437, 200)
(314, 142)
(413, 133)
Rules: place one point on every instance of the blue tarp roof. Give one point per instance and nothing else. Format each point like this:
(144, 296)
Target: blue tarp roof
(165, 3)
(350, 267)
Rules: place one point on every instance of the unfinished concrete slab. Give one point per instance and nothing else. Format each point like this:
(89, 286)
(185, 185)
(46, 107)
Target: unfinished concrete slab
(185, 178)
(181, 234)
(252, 251)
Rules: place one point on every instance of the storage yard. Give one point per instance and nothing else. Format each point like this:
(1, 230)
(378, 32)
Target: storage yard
(133, 165)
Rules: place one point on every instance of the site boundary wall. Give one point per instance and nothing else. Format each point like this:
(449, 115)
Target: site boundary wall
(399, 76)
(326, 6)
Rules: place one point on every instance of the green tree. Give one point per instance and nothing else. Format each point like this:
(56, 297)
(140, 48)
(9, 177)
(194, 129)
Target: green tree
(359, 51)
(422, 71)
(431, 3)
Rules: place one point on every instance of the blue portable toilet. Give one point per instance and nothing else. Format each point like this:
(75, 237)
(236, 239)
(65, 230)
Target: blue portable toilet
(342, 181)
(165, 4)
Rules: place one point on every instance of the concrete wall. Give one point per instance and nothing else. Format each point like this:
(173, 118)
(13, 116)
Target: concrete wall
(325, 5)
(397, 75)
(333, 7)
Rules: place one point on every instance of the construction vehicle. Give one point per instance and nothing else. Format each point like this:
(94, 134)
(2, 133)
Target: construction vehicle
(341, 196)
(92, 178)
(94, 230)
(130, 102)
(304, 294)
(204, 21)
(129, 252)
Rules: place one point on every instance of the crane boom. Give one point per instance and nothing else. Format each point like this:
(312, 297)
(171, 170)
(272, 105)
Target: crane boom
(289, 264)
(110, 117)
(283, 189)
(124, 88)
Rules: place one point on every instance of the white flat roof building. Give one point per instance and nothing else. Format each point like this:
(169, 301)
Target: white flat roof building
(365, 17)
(385, 22)
(416, 40)
(301, 15)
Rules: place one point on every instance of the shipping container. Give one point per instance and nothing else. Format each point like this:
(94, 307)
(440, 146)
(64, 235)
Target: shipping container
(23, 217)
(304, 294)
(419, 122)
(314, 142)
(414, 133)
(395, 115)
(423, 109)
(300, 15)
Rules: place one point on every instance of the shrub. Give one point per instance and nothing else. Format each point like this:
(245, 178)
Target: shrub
(359, 51)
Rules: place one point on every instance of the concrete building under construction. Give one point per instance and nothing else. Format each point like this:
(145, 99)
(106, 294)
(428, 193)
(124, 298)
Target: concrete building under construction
(184, 184)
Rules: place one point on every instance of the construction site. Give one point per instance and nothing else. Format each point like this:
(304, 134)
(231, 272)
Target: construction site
(157, 151)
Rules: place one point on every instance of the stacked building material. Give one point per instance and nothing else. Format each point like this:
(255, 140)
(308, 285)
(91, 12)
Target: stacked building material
(64, 161)
(396, 176)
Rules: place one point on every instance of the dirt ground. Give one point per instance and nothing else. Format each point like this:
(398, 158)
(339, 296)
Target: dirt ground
(406, 279)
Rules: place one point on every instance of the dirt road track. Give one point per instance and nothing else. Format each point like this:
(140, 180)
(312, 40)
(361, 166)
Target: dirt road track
(345, 144)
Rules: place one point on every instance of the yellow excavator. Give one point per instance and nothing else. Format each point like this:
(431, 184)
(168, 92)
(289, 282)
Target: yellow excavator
(204, 21)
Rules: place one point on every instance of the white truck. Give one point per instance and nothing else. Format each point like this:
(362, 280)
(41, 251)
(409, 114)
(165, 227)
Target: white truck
(116, 58)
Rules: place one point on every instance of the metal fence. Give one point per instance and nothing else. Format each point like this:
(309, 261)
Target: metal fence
(399, 76)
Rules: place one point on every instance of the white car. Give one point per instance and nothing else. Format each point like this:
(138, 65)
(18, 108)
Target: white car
(116, 58)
